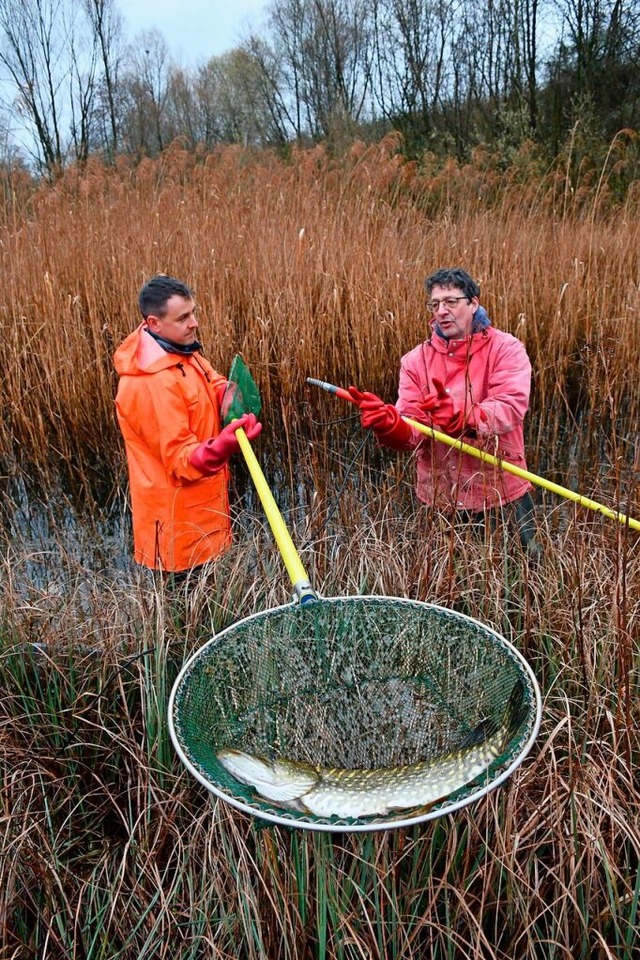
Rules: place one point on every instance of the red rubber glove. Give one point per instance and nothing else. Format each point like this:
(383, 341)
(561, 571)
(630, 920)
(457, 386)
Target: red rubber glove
(475, 423)
(430, 402)
(438, 404)
(438, 408)
(383, 419)
(211, 456)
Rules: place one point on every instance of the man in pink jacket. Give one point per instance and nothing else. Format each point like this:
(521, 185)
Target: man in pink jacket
(468, 380)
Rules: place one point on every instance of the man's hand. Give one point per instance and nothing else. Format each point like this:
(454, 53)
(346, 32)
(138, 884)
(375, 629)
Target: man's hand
(437, 407)
(383, 418)
(211, 456)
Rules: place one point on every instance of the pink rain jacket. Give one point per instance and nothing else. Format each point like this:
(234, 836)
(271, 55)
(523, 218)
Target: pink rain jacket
(489, 373)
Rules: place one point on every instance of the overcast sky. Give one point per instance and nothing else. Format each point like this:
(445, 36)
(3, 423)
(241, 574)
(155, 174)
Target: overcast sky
(194, 29)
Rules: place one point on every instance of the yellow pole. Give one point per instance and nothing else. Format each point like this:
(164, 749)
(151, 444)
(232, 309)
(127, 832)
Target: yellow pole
(292, 561)
(489, 458)
(519, 472)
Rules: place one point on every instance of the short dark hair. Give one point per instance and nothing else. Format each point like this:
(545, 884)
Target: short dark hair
(153, 297)
(453, 277)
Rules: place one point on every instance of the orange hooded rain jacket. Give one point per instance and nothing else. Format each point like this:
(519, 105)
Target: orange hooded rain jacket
(166, 405)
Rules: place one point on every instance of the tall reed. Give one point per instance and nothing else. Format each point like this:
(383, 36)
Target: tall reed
(311, 267)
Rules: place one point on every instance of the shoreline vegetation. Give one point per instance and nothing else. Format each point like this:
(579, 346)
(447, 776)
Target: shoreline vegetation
(312, 266)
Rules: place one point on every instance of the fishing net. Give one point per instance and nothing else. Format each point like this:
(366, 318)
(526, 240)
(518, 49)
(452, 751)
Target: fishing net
(350, 682)
(241, 395)
(337, 705)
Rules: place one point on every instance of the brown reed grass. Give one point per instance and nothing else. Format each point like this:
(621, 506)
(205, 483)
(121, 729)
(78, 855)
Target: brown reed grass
(104, 832)
(312, 267)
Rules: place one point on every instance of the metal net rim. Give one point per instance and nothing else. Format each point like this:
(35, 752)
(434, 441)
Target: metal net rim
(464, 796)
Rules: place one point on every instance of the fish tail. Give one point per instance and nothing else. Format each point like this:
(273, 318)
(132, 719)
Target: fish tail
(517, 710)
(514, 715)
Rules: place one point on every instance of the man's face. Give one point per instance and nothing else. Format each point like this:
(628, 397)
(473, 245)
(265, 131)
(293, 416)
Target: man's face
(455, 318)
(179, 324)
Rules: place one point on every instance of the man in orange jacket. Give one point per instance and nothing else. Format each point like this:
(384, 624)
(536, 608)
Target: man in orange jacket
(168, 405)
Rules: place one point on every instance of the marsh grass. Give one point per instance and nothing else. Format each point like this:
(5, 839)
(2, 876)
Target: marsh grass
(312, 268)
(111, 850)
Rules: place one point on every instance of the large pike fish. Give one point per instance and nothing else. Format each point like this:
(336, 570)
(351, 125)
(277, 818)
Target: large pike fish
(329, 792)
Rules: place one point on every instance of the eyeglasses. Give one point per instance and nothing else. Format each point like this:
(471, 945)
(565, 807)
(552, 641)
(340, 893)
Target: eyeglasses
(449, 302)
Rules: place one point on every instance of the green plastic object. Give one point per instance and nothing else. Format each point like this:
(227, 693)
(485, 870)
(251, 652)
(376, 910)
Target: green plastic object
(242, 394)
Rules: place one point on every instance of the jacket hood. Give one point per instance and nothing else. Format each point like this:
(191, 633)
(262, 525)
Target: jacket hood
(462, 348)
(139, 354)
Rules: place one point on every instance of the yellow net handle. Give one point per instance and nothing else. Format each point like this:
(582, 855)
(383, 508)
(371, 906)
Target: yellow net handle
(524, 474)
(293, 563)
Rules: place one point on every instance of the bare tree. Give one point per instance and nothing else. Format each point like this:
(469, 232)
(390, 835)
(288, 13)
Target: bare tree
(279, 86)
(48, 58)
(413, 40)
(530, 29)
(339, 61)
(106, 26)
(242, 113)
(593, 73)
(221, 103)
(147, 84)
(83, 59)
(489, 87)
(183, 114)
(281, 57)
(317, 60)
(29, 52)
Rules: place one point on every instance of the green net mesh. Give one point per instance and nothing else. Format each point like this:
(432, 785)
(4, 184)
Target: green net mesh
(351, 682)
(241, 395)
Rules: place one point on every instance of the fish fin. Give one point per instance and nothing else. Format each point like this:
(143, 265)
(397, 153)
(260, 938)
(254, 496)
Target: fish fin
(480, 734)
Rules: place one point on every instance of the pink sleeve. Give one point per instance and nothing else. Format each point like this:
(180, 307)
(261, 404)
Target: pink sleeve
(508, 389)
(411, 391)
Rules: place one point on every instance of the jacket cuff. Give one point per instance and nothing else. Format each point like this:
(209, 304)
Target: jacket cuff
(398, 437)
